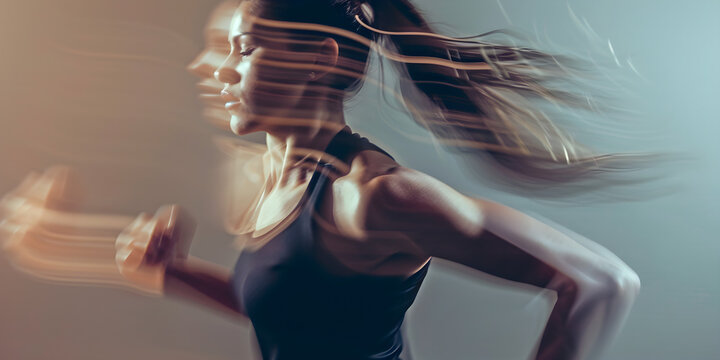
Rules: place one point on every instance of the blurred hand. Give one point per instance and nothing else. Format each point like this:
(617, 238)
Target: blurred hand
(148, 245)
(23, 208)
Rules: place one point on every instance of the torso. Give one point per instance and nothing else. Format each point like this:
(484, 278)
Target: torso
(343, 244)
(312, 287)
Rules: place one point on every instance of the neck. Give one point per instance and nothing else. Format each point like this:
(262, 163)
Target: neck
(287, 147)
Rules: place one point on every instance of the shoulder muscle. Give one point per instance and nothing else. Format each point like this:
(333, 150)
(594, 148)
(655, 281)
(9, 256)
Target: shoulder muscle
(421, 207)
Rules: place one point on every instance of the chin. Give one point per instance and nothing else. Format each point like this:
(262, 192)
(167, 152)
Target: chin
(241, 126)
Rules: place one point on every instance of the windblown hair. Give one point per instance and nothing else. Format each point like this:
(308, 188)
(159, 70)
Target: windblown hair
(473, 95)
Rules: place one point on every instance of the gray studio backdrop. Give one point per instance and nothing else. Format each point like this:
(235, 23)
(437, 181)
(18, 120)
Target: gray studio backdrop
(100, 85)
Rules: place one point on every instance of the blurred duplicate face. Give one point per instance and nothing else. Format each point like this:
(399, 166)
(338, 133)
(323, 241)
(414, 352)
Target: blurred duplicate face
(212, 56)
(268, 85)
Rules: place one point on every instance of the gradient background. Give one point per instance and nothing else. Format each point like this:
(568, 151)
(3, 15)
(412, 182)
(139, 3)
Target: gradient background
(132, 127)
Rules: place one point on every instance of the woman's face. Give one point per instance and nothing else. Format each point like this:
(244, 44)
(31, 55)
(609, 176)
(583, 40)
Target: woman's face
(265, 82)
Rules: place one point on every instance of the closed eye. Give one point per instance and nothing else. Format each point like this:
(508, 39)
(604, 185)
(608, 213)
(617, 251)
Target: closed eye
(247, 52)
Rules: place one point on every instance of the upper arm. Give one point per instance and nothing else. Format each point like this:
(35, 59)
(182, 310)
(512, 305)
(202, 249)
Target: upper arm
(204, 283)
(484, 235)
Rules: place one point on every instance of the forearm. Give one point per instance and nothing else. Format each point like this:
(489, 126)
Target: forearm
(586, 318)
(201, 282)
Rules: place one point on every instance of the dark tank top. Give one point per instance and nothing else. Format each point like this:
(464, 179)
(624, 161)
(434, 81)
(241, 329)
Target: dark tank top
(300, 310)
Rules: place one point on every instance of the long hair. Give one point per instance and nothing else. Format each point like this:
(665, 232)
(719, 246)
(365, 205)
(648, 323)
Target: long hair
(475, 96)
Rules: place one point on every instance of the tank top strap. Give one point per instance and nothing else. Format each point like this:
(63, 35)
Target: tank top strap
(346, 144)
(317, 184)
(343, 146)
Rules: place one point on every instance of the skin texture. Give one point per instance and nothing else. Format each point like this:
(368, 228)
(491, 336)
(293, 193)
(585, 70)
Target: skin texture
(381, 218)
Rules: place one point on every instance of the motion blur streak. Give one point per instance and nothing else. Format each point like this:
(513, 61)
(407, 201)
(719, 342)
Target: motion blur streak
(42, 238)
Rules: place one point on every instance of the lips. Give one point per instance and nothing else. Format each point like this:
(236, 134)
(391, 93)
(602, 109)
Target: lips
(231, 102)
(233, 105)
(227, 96)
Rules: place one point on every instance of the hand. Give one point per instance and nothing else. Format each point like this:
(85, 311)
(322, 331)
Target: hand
(148, 245)
(23, 209)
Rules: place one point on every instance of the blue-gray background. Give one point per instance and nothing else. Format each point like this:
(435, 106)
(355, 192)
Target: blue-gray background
(133, 129)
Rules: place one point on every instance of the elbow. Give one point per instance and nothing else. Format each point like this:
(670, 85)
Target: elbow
(622, 284)
(626, 284)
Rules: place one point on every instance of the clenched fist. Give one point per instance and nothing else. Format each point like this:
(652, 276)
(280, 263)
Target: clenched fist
(148, 245)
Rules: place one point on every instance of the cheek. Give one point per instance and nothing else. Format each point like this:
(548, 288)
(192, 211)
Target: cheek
(254, 92)
(273, 88)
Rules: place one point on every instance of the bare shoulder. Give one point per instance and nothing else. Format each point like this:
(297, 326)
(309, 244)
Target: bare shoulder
(410, 200)
(405, 202)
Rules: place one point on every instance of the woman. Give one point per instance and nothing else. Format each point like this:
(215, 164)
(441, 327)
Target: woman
(342, 235)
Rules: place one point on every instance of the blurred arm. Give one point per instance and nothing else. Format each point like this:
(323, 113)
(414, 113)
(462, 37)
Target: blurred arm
(203, 283)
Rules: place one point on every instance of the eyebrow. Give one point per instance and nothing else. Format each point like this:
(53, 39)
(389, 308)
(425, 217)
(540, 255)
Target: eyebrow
(235, 38)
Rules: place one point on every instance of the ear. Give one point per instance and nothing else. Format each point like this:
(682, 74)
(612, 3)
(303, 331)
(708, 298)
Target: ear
(327, 57)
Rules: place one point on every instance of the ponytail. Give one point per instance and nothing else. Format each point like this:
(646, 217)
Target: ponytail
(476, 95)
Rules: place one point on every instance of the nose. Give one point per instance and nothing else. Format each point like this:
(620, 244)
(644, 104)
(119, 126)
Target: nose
(227, 75)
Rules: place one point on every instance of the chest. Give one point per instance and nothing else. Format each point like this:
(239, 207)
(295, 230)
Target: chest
(340, 241)
(337, 218)
(277, 205)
